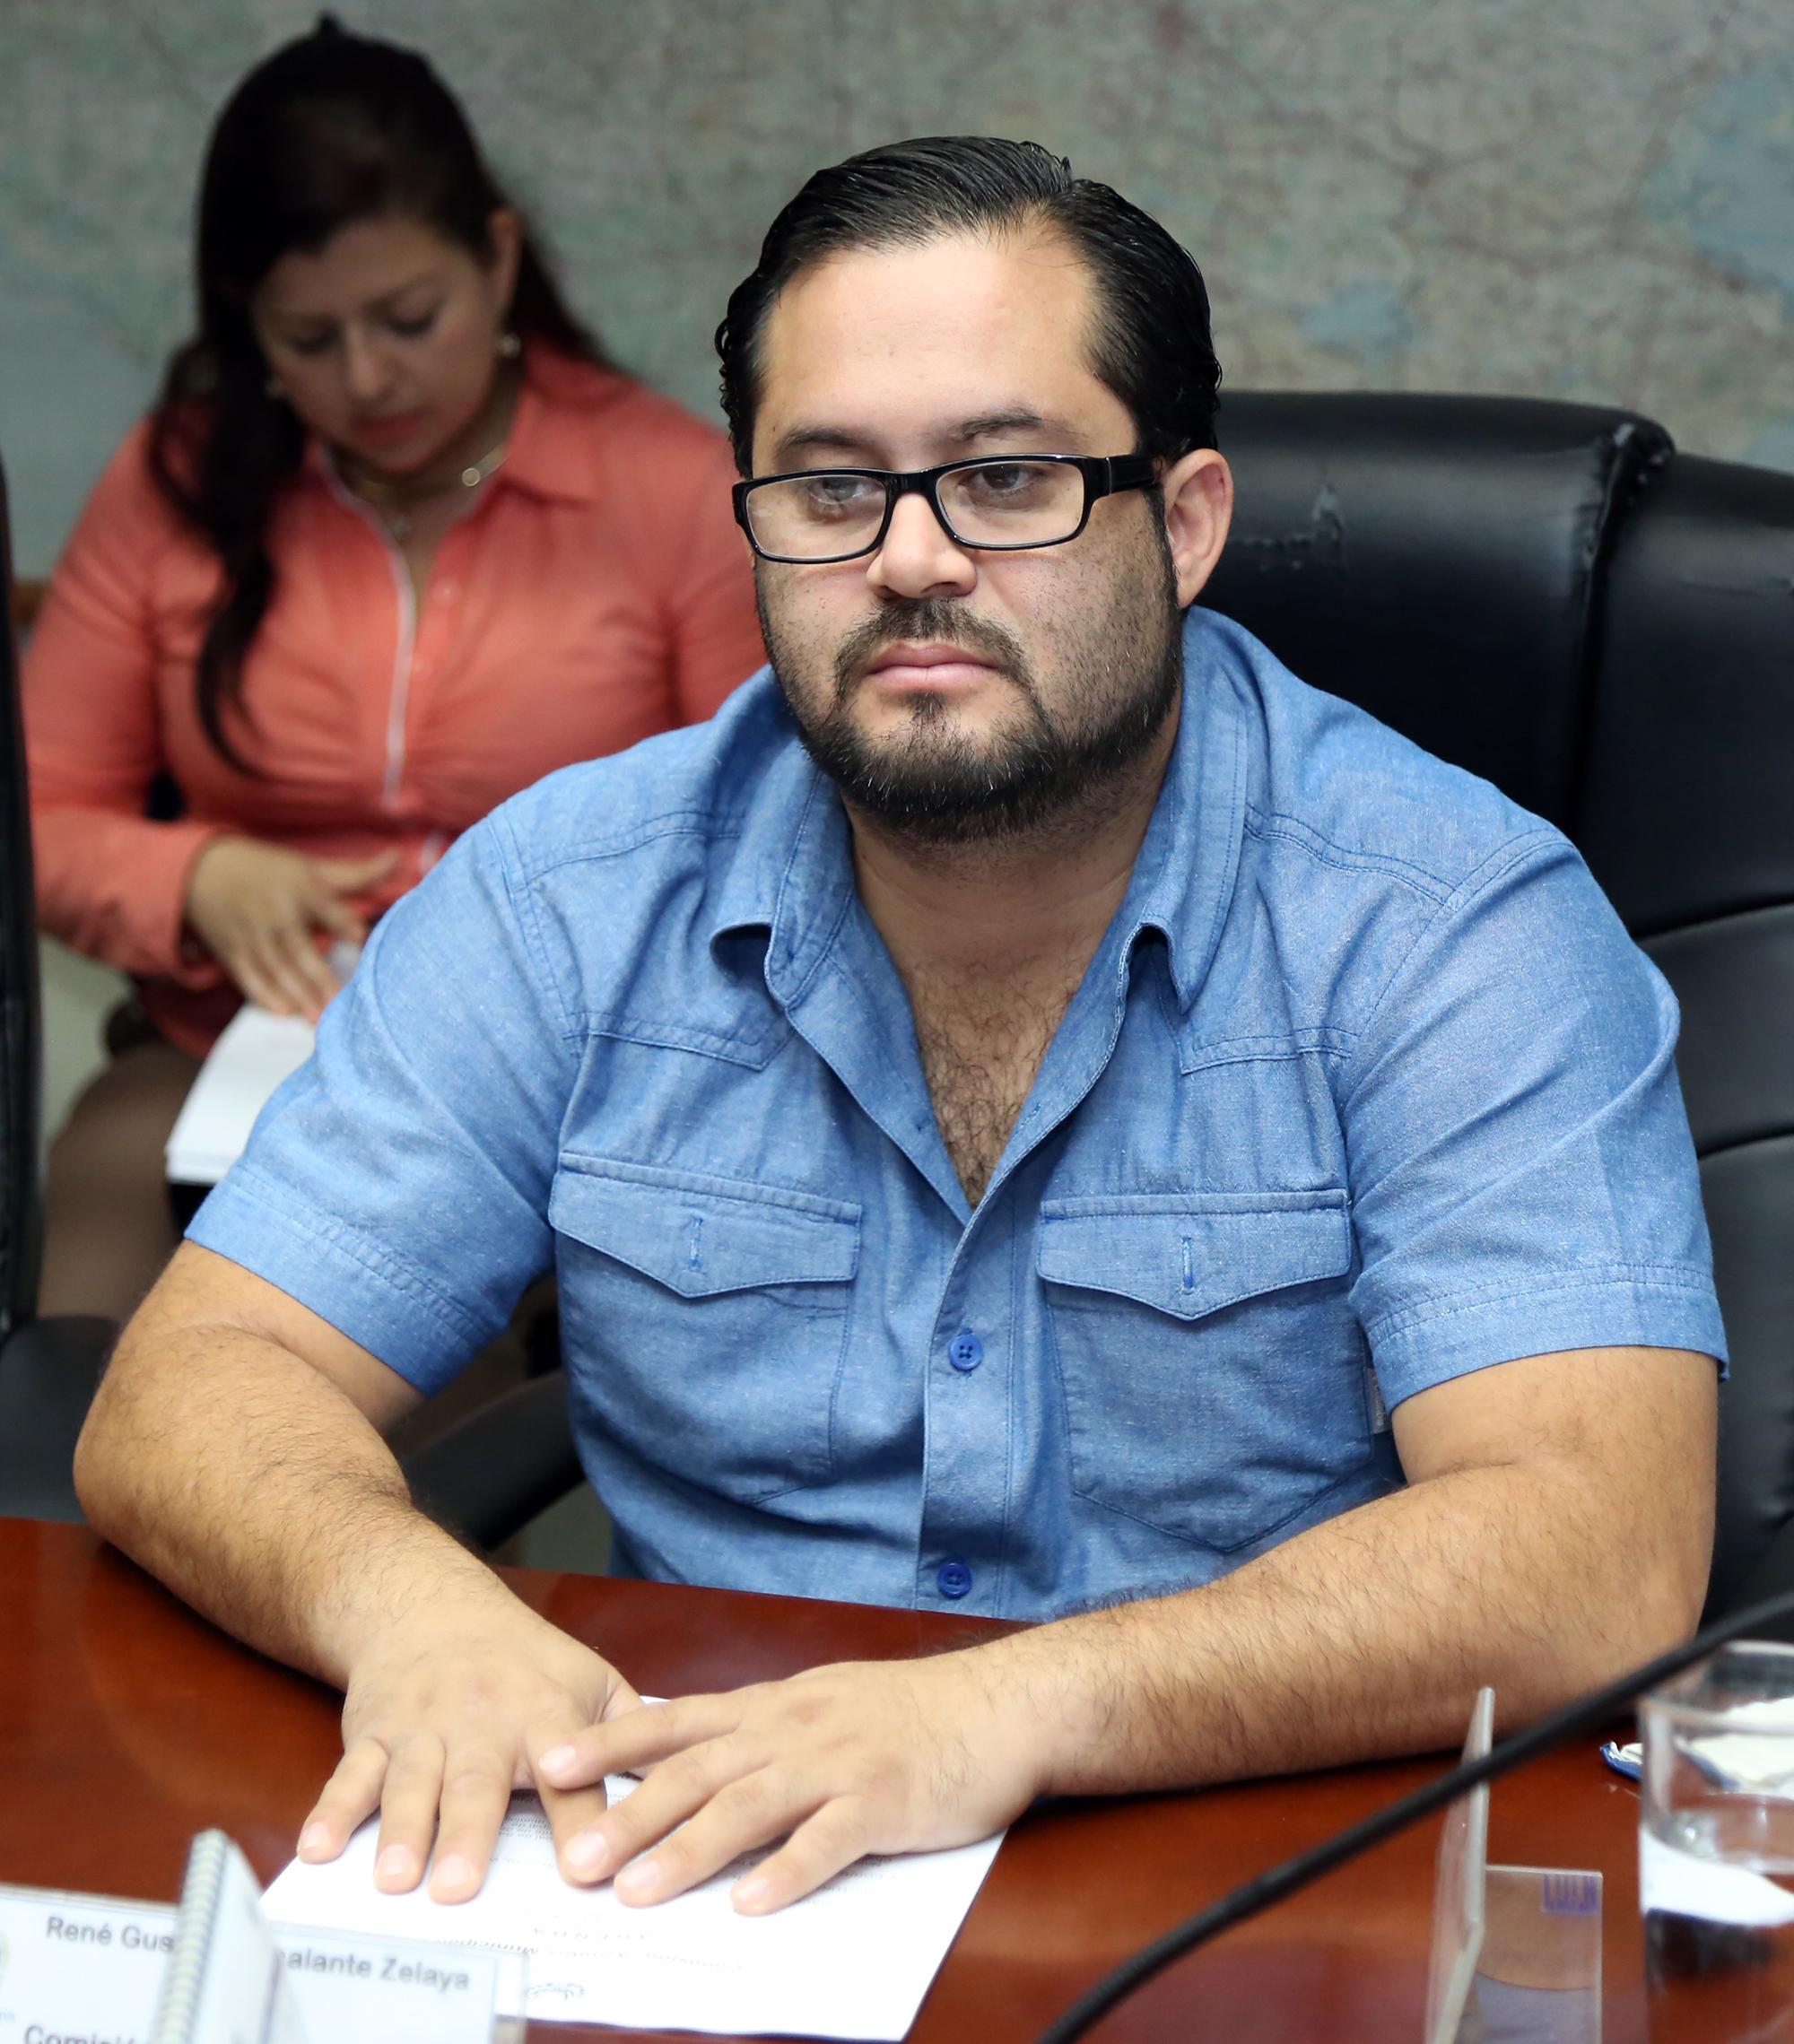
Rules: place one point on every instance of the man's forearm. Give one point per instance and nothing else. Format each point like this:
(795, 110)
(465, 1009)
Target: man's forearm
(252, 1486)
(1367, 1636)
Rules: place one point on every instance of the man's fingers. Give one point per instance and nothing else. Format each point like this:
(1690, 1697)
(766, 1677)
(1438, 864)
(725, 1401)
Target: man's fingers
(570, 1812)
(408, 1807)
(622, 1700)
(677, 1789)
(815, 1852)
(352, 1794)
(573, 1816)
(628, 1741)
(741, 1815)
(476, 1795)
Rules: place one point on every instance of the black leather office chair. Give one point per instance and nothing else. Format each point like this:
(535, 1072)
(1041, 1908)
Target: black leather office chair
(48, 1368)
(1686, 817)
(1547, 595)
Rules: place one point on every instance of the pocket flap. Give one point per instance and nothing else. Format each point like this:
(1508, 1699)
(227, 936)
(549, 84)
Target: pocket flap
(1191, 1254)
(698, 1235)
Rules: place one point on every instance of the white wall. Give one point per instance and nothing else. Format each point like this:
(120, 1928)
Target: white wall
(77, 996)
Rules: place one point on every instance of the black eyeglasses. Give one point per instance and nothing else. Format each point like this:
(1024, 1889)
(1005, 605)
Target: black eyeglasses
(1004, 503)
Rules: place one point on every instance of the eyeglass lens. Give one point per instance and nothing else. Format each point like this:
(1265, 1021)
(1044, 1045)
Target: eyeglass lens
(989, 503)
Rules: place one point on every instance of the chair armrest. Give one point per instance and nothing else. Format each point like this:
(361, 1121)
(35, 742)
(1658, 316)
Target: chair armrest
(490, 1474)
(48, 1372)
(1771, 1575)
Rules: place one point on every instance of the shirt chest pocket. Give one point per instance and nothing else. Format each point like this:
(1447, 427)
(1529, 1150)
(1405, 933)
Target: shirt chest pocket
(705, 1320)
(1213, 1370)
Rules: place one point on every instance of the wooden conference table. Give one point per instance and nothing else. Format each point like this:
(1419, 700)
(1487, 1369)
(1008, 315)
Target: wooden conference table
(126, 1724)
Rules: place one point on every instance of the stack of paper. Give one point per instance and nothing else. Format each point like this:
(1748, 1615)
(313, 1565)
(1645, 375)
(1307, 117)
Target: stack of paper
(257, 1053)
(853, 1961)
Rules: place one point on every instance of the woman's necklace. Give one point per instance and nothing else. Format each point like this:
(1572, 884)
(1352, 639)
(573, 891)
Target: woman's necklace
(395, 502)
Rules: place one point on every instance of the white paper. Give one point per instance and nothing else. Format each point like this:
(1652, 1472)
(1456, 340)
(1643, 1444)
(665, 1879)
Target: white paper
(1687, 1885)
(852, 1960)
(257, 1054)
(1754, 1754)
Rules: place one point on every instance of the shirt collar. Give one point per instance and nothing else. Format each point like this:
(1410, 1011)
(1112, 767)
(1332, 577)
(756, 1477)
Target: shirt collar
(792, 871)
(1183, 878)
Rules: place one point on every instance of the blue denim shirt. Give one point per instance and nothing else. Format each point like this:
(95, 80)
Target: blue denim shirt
(1364, 1088)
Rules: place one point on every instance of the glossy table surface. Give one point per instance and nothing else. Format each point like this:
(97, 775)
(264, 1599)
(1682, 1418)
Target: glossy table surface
(126, 1724)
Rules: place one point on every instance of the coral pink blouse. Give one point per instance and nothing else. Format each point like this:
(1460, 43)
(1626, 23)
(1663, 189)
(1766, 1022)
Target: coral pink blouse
(597, 592)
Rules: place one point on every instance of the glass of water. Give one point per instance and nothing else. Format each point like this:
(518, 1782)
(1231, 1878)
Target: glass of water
(1716, 1851)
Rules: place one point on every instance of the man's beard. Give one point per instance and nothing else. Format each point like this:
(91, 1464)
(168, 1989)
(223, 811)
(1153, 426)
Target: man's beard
(934, 786)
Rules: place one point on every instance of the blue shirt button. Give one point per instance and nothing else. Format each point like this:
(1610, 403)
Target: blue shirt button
(955, 1579)
(965, 1351)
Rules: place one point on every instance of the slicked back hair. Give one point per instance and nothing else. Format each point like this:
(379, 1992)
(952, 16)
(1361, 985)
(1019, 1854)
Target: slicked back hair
(1151, 344)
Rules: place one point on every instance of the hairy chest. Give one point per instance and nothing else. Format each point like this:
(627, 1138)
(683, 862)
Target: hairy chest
(981, 1051)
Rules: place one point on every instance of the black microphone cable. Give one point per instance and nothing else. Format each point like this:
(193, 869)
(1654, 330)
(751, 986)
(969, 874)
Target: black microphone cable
(1260, 1893)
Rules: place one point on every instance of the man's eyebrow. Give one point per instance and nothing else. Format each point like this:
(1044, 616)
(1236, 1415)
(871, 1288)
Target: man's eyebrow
(811, 439)
(1016, 420)
(802, 441)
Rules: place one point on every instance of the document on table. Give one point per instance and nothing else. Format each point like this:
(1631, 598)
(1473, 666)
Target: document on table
(852, 1960)
(257, 1054)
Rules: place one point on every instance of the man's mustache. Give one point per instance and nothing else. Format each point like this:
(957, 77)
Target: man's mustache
(925, 623)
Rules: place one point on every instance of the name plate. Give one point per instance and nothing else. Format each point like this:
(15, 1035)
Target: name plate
(80, 1967)
(88, 1969)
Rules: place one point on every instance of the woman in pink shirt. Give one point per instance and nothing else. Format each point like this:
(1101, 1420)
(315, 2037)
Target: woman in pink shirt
(394, 542)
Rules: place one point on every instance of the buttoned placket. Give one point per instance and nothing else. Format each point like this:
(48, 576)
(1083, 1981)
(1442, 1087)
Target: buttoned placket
(830, 971)
(973, 1381)
(424, 632)
(842, 994)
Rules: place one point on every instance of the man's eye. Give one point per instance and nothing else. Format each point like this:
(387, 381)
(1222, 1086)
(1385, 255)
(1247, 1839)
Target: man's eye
(829, 495)
(1004, 482)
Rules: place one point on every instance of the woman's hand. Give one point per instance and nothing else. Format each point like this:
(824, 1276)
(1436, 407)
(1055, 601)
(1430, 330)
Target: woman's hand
(259, 909)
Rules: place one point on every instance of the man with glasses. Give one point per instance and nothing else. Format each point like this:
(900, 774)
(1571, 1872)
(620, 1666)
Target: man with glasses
(1033, 1111)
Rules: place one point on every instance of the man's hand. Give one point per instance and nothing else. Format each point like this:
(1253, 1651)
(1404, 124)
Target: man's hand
(446, 1712)
(864, 1757)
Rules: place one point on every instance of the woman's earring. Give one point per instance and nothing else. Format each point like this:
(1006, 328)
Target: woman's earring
(273, 387)
(509, 346)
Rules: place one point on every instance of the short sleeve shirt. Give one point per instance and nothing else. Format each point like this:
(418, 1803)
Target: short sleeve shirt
(1364, 1088)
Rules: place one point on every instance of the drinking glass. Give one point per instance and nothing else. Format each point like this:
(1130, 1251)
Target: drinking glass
(1716, 1849)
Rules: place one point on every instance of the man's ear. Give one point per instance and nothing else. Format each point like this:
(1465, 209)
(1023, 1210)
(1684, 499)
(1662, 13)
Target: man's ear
(1198, 490)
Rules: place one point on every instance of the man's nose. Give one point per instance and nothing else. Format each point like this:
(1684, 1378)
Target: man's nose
(919, 557)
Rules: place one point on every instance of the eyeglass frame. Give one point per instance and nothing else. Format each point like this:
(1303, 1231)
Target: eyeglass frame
(1104, 475)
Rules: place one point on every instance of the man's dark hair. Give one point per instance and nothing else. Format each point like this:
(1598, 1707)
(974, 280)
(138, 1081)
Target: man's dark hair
(1151, 347)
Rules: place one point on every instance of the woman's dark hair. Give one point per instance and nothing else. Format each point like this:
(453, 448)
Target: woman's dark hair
(1152, 345)
(332, 129)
